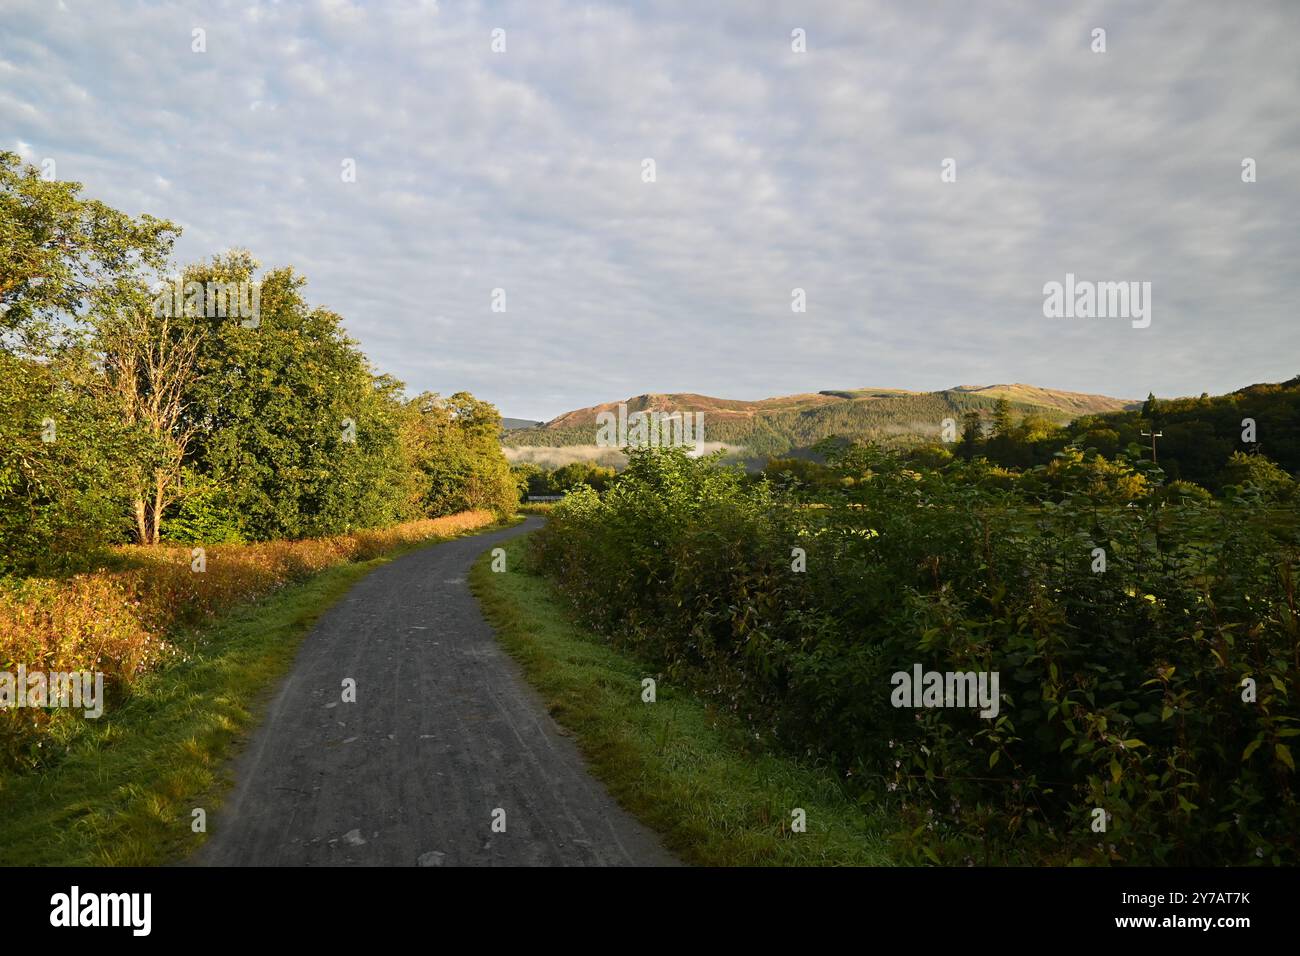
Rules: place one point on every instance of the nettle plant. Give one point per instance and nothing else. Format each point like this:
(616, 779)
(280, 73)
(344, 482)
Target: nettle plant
(1127, 627)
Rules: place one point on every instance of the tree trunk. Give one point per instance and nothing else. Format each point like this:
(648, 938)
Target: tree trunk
(160, 486)
(141, 523)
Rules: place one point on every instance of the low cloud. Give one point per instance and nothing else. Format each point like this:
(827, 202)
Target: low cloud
(561, 455)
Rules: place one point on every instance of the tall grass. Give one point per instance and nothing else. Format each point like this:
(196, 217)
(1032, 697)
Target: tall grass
(122, 620)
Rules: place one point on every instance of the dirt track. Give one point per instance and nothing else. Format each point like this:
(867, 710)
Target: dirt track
(444, 732)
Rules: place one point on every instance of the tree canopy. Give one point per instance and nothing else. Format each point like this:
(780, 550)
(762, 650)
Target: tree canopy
(211, 402)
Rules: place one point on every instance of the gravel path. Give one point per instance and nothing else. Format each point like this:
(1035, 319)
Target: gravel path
(443, 735)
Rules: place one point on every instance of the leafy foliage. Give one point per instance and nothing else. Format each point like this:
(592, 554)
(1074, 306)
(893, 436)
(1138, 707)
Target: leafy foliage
(117, 413)
(61, 500)
(457, 462)
(58, 251)
(1121, 689)
(1201, 435)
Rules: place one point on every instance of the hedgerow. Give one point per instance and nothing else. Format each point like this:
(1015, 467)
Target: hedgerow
(1146, 644)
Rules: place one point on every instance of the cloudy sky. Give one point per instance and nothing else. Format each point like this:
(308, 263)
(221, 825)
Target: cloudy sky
(774, 170)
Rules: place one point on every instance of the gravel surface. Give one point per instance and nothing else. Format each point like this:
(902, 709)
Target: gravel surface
(443, 735)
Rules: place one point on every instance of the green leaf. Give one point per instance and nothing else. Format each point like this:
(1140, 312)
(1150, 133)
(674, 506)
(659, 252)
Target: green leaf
(1283, 753)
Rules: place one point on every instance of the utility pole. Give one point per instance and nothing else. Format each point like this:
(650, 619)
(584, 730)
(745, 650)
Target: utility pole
(1153, 435)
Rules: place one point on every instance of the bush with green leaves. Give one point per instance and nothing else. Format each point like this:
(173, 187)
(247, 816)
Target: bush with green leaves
(1261, 473)
(455, 461)
(1146, 647)
(63, 452)
(567, 477)
(205, 513)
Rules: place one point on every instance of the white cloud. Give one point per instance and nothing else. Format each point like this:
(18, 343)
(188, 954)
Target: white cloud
(775, 169)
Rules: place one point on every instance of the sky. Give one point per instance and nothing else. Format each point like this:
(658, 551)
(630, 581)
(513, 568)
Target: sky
(794, 146)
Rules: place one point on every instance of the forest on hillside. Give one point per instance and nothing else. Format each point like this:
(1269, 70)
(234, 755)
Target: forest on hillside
(889, 419)
(1198, 437)
(1207, 443)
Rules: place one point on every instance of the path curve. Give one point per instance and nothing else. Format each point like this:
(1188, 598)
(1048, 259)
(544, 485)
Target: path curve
(443, 733)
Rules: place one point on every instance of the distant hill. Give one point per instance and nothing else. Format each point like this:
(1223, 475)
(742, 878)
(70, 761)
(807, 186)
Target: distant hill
(773, 426)
(1070, 403)
(510, 424)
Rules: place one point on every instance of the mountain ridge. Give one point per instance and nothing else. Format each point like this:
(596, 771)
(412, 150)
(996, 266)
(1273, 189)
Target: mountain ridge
(780, 423)
(1081, 402)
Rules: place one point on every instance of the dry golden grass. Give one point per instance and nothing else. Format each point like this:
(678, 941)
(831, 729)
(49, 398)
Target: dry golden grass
(118, 621)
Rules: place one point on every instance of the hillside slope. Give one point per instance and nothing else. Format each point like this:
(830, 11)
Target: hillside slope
(776, 425)
(1199, 435)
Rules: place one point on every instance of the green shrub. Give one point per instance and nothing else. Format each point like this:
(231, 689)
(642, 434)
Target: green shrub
(204, 514)
(1186, 491)
(1121, 689)
(1261, 473)
(63, 453)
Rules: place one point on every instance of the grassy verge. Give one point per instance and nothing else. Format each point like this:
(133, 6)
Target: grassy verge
(679, 766)
(124, 792)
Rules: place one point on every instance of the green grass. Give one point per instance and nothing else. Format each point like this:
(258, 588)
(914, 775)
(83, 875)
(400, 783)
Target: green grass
(123, 794)
(682, 768)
